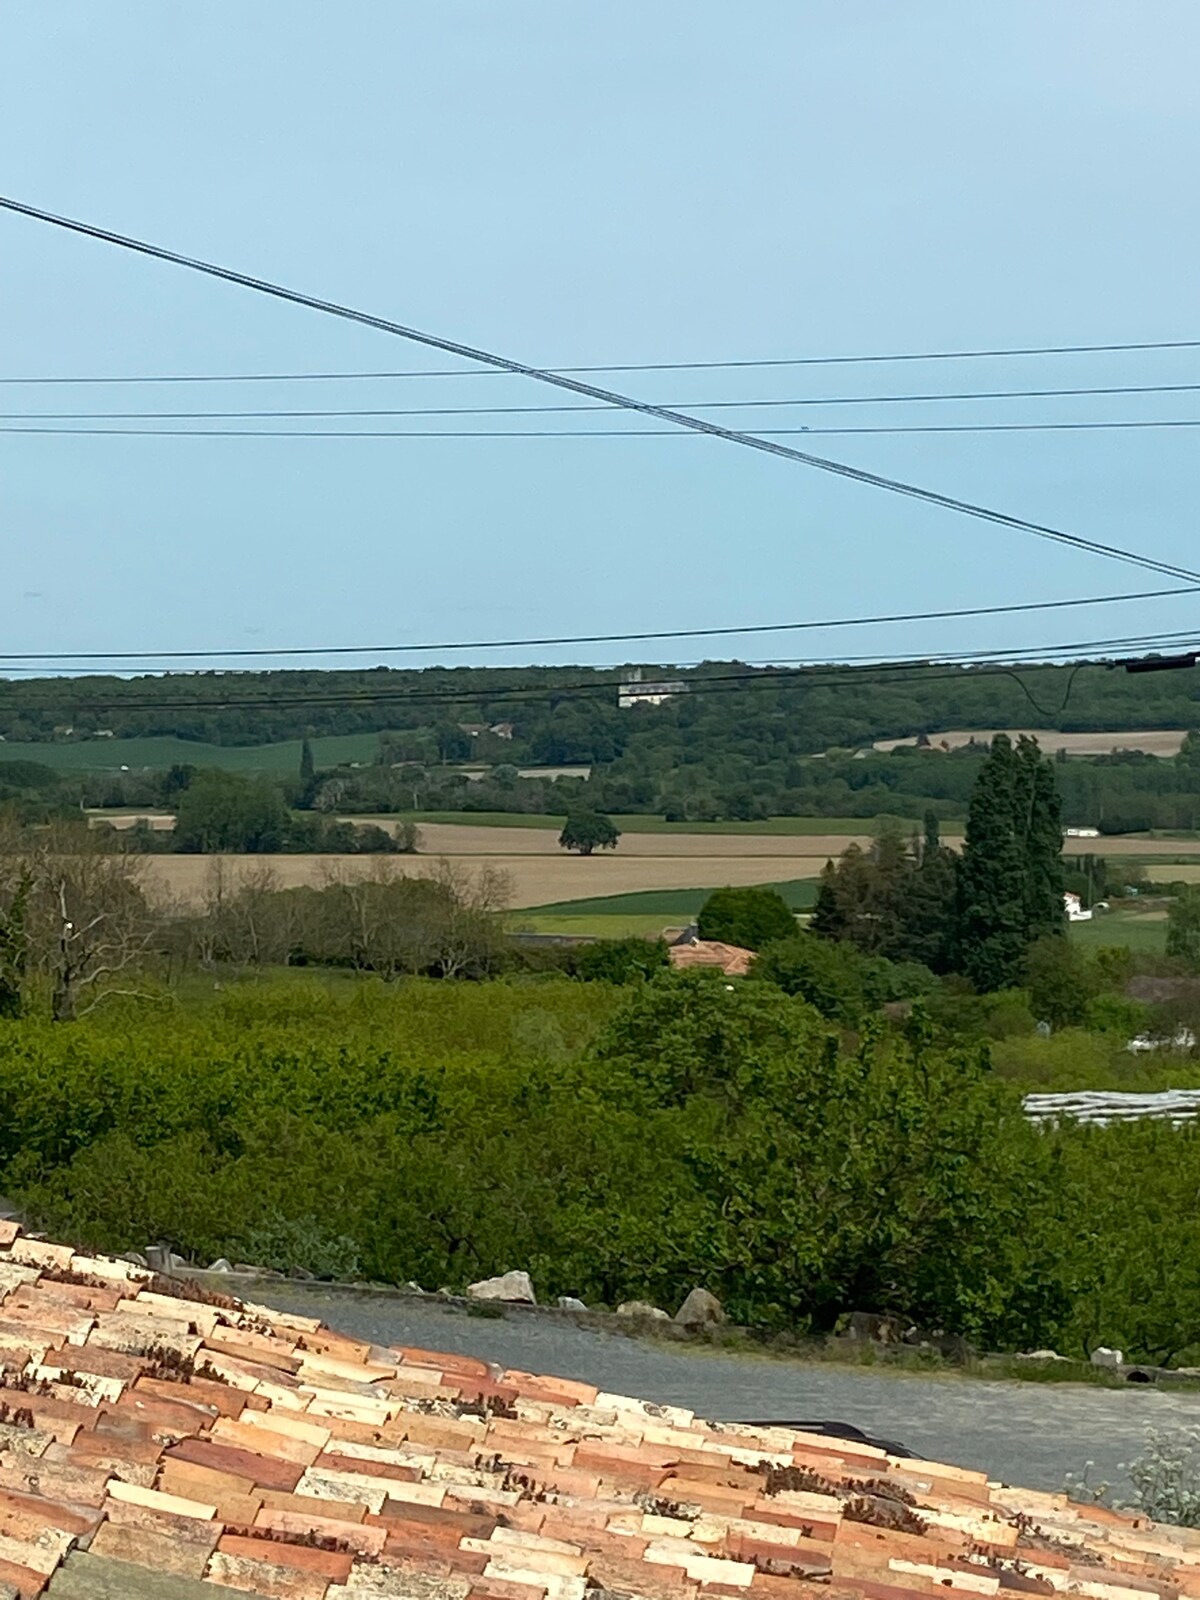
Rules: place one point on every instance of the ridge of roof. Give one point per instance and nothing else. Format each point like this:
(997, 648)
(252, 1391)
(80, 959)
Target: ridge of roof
(158, 1439)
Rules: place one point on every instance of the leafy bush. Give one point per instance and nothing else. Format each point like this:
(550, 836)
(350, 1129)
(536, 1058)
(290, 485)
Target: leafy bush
(842, 984)
(750, 917)
(620, 960)
(620, 1144)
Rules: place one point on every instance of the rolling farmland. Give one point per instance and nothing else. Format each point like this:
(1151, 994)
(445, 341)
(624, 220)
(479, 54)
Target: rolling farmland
(542, 874)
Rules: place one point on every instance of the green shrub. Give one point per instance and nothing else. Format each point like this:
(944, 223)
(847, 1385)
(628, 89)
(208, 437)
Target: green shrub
(750, 917)
(620, 960)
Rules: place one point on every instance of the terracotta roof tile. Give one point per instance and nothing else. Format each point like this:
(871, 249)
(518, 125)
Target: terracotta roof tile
(334, 1565)
(175, 1447)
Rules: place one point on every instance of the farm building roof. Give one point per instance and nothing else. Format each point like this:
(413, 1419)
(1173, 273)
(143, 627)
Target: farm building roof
(158, 1444)
(731, 958)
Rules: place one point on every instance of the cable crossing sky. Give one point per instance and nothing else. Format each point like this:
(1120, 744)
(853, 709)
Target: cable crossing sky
(591, 391)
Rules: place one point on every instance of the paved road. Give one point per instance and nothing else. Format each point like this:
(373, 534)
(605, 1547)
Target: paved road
(1031, 1434)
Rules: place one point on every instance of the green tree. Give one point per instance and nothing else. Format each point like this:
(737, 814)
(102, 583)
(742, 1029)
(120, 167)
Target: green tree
(175, 780)
(222, 811)
(586, 831)
(1183, 926)
(621, 960)
(1009, 890)
(1040, 816)
(1062, 982)
(823, 972)
(308, 767)
(750, 917)
(862, 899)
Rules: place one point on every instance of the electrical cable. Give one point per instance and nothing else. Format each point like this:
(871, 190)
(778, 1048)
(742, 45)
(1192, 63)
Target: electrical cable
(582, 433)
(598, 638)
(591, 391)
(504, 411)
(642, 366)
(1034, 655)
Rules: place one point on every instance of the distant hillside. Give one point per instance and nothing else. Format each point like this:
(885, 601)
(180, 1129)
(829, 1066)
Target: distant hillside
(738, 743)
(565, 715)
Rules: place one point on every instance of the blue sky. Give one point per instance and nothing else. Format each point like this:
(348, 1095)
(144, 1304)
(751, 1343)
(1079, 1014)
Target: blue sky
(570, 183)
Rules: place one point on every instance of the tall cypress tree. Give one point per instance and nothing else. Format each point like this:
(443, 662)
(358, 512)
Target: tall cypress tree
(1044, 910)
(1010, 881)
(990, 911)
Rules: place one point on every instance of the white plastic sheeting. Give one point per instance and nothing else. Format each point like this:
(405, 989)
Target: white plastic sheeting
(1102, 1106)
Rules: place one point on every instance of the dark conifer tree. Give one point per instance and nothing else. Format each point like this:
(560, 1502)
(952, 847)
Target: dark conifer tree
(991, 899)
(1010, 879)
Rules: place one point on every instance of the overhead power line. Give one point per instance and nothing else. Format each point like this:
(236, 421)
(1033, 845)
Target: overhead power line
(591, 391)
(1029, 656)
(74, 431)
(548, 641)
(640, 366)
(512, 411)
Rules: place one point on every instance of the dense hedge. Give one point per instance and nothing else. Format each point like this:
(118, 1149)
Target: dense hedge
(615, 1143)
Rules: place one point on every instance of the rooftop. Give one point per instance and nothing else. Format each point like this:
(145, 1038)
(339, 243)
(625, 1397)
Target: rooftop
(731, 958)
(159, 1440)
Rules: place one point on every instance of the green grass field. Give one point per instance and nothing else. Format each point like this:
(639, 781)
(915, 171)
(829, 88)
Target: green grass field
(646, 912)
(1141, 932)
(110, 755)
(641, 926)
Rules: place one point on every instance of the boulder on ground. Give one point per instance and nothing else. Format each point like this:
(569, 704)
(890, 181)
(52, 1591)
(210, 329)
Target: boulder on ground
(642, 1308)
(875, 1329)
(512, 1286)
(700, 1310)
(1102, 1356)
(220, 1265)
(1040, 1355)
(568, 1302)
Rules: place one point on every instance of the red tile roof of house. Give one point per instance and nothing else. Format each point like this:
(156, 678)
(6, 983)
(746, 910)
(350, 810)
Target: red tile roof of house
(731, 958)
(156, 1444)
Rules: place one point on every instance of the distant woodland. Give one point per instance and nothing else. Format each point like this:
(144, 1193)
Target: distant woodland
(739, 744)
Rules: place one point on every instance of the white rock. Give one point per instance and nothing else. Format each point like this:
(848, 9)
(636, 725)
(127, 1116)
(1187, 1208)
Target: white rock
(568, 1302)
(513, 1286)
(1102, 1356)
(642, 1308)
(1040, 1355)
(221, 1265)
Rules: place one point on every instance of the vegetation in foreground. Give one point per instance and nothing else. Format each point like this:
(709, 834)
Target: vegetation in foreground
(618, 1142)
(842, 1131)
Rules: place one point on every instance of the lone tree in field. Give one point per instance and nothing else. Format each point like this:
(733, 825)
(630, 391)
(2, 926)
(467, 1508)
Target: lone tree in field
(1010, 878)
(586, 831)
